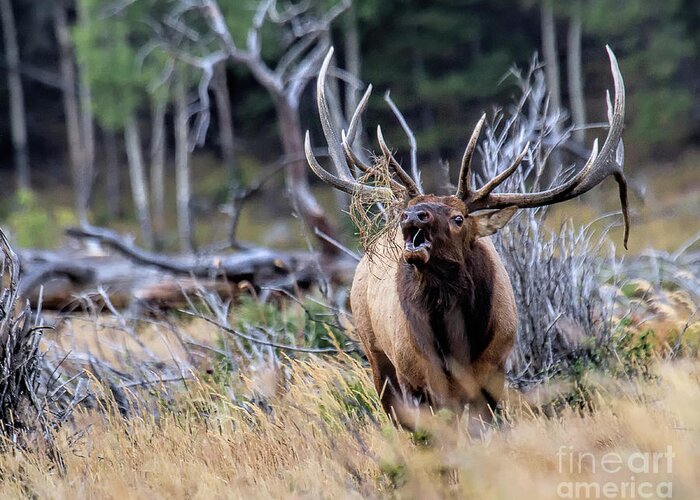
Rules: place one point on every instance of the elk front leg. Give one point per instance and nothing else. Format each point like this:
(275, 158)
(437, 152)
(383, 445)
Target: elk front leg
(490, 380)
(385, 381)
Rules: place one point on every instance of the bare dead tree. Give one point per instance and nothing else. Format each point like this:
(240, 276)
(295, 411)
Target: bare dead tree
(21, 407)
(31, 407)
(557, 276)
(245, 265)
(18, 122)
(305, 34)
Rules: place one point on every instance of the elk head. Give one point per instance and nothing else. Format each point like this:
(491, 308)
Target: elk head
(439, 228)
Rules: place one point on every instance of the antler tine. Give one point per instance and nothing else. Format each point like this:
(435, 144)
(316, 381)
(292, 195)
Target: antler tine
(357, 115)
(344, 181)
(498, 180)
(616, 117)
(350, 154)
(463, 188)
(350, 187)
(353, 159)
(403, 176)
(597, 168)
(335, 149)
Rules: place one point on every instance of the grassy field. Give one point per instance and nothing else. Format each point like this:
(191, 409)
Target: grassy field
(308, 426)
(313, 430)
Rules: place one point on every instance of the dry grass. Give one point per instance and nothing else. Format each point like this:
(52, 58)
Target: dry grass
(316, 432)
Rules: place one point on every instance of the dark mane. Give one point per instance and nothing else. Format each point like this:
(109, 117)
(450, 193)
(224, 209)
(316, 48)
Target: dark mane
(432, 292)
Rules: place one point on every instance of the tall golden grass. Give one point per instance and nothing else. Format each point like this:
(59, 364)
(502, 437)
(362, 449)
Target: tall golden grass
(313, 429)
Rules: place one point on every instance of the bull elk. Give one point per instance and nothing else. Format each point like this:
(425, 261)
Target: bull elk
(437, 319)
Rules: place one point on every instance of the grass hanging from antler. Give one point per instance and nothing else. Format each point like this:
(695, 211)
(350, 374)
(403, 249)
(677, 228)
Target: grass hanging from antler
(375, 216)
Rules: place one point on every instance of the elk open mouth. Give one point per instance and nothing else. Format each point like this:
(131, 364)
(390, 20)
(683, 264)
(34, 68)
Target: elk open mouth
(416, 245)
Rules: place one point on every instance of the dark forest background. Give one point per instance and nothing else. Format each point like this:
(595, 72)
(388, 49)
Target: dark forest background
(102, 78)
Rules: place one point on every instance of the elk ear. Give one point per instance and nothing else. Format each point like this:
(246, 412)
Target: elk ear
(487, 224)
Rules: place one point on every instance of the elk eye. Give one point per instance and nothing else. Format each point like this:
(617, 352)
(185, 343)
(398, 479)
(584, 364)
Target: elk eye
(458, 219)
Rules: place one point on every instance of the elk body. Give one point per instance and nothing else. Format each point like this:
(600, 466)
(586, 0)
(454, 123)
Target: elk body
(437, 318)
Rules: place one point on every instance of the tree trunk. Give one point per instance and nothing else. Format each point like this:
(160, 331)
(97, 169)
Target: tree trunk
(575, 77)
(71, 110)
(182, 167)
(549, 51)
(227, 140)
(551, 69)
(353, 65)
(296, 175)
(87, 125)
(223, 112)
(112, 180)
(137, 175)
(18, 123)
(157, 158)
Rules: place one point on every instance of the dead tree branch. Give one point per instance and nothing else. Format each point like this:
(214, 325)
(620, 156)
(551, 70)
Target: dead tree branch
(234, 267)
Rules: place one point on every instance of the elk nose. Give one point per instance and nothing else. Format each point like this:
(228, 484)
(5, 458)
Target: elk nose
(415, 216)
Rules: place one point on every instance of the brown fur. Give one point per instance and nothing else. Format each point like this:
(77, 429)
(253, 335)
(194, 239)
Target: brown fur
(438, 332)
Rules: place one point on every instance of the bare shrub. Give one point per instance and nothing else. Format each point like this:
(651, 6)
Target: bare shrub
(29, 410)
(557, 276)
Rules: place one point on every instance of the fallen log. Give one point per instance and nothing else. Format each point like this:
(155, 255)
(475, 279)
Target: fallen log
(234, 267)
(131, 276)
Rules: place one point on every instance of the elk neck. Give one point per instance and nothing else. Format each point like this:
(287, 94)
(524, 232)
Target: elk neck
(450, 302)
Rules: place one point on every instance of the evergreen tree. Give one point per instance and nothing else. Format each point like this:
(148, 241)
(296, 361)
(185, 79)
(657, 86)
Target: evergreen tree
(653, 44)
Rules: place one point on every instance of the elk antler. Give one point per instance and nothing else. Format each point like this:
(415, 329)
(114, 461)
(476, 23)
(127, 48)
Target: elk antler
(598, 167)
(463, 189)
(342, 155)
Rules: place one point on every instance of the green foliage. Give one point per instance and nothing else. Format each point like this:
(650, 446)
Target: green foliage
(653, 43)
(442, 66)
(394, 472)
(239, 18)
(662, 115)
(629, 354)
(635, 352)
(35, 225)
(443, 61)
(306, 323)
(422, 438)
(686, 341)
(355, 400)
(121, 72)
